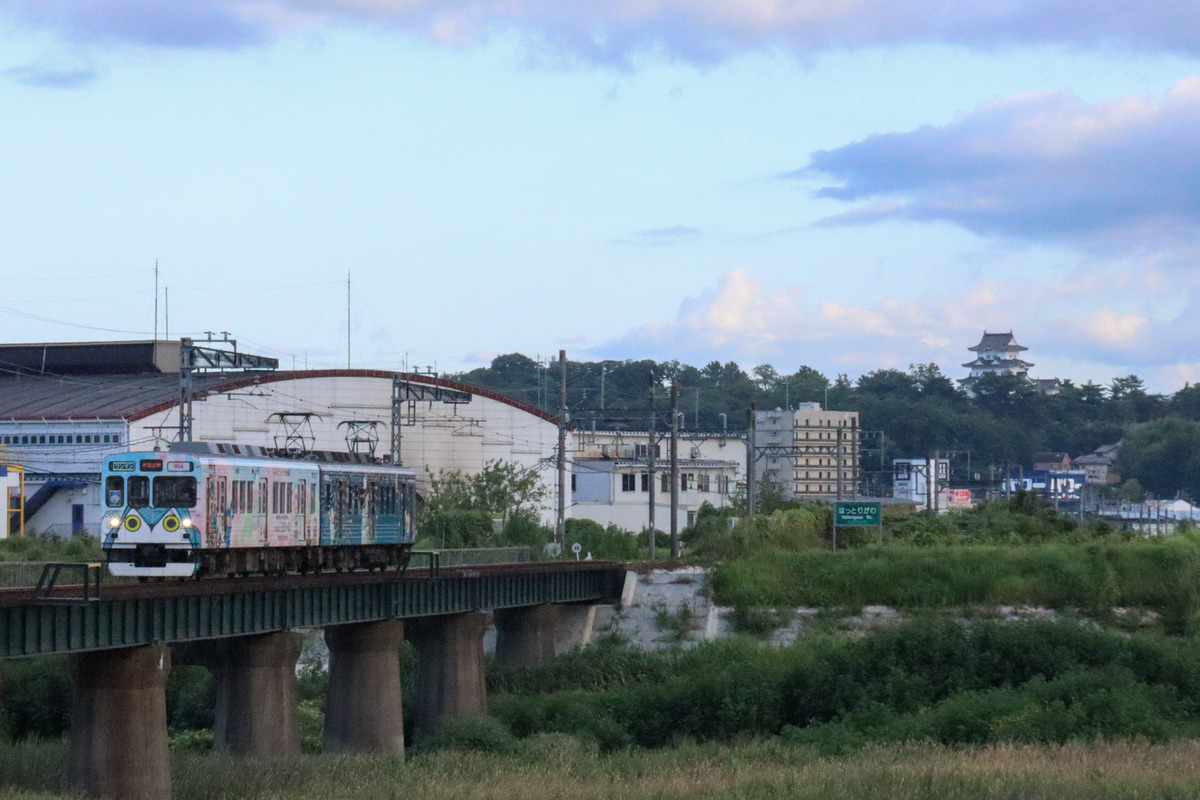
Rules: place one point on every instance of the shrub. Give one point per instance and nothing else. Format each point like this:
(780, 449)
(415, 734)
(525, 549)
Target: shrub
(36, 702)
(609, 544)
(483, 734)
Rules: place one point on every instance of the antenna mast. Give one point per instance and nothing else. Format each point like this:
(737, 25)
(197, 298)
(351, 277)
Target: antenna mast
(347, 320)
(156, 299)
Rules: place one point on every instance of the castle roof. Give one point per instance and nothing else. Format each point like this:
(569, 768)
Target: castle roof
(997, 342)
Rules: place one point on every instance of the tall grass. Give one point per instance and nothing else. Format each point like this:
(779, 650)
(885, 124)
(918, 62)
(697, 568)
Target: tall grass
(558, 768)
(1160, 574)
(937, 680)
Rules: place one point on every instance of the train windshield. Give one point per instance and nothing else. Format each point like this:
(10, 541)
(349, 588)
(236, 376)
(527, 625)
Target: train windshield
(114, 491)
(139, 491)
(174, 492)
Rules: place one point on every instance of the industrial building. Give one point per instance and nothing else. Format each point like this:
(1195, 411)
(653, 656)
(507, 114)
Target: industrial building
(64, 407)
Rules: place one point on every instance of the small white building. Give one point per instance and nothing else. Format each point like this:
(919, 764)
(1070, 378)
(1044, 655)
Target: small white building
(912, 482)
(611, 479)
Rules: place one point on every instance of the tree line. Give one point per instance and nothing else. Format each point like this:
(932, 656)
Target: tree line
(916, 413)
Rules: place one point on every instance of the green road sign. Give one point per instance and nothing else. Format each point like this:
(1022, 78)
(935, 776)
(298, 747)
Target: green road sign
(857, 514)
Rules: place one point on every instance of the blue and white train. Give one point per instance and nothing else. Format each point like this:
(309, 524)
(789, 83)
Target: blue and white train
(184, 514)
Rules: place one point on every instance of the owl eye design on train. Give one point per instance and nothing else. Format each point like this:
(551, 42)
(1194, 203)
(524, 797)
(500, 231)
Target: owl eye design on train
(171, 522)
(132, 521)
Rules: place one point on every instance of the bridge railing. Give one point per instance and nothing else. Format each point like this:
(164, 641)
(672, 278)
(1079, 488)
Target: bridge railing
(472, 556)
(25, 574)
(21, 574)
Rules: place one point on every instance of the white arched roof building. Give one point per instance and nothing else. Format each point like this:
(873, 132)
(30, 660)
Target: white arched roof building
(63, 407)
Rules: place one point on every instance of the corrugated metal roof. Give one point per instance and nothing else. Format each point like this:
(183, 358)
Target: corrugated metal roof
(34, 397)
(133, 397)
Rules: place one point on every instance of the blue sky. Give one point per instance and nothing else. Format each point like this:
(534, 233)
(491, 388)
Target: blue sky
(847, 185)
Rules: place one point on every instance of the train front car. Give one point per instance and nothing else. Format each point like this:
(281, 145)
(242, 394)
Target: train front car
(149, 501)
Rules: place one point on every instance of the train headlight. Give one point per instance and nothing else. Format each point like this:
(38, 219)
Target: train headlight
(187, 523)
(113, 522)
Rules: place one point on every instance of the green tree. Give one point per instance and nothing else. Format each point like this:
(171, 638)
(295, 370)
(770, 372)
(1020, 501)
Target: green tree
(1164, 456)
(502, 488)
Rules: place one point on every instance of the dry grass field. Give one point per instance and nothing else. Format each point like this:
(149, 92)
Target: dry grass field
(556, 766)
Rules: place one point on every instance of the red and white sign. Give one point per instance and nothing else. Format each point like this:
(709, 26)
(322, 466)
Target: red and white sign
(959, 497)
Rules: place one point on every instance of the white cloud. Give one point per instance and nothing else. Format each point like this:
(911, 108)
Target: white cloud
(1099, 335)
(1119, 175)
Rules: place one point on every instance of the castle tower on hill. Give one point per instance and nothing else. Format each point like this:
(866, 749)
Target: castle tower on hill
(996, 354)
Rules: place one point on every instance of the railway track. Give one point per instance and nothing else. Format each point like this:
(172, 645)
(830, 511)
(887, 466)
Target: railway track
(125, 590)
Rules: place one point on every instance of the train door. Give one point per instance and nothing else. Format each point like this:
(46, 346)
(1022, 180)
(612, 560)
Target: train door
(263, 515)
(370, 511)
(226, 513)
(301, 511)
(212, 530)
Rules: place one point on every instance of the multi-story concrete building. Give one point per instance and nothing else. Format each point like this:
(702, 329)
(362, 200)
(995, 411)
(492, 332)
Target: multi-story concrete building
(809, 453)
(610, 476)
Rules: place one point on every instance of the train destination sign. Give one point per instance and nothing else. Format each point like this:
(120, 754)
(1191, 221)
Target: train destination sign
(857, 514)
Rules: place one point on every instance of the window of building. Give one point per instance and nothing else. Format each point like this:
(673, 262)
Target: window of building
(573, 483)
(666, 482)
(702, 482)
(645, 481)
(628, 482)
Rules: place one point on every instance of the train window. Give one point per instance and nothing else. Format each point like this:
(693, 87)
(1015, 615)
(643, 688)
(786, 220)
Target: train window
(249, 497)
(114, 491)
(139, 491)
(116, 438)
(262, 496)
(172, 491)
(301, 487)
(287, 488)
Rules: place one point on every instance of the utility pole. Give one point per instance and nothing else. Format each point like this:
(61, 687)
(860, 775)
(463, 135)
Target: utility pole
(650, 454)
(854, 468)
(751, 505)
(674, 469)
(560, 527)
(839, 460)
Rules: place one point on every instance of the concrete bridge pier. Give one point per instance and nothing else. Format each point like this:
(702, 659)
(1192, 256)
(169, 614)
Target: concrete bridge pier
(257, 709)
(450, 677)
(119, 723)
(525, 636)
(362, 705)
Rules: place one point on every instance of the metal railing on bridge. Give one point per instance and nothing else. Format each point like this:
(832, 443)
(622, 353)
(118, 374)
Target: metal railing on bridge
(25, 574)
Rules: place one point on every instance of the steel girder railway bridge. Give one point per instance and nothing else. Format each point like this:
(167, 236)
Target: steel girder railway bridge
(122, 645)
